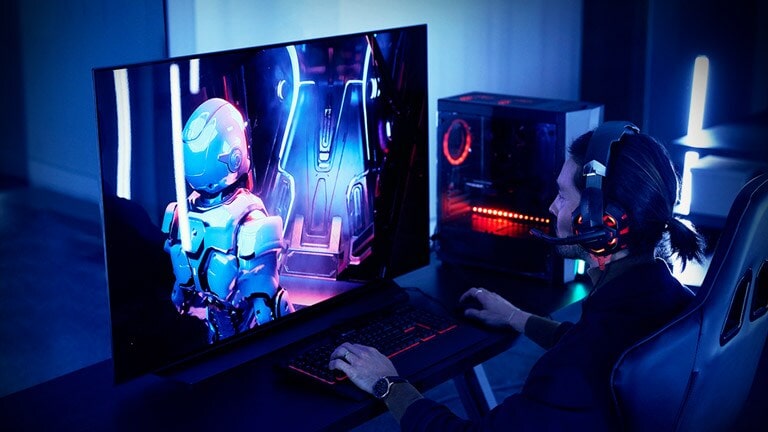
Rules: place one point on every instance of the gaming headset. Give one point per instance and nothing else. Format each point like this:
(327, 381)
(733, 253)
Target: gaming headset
(597, 227)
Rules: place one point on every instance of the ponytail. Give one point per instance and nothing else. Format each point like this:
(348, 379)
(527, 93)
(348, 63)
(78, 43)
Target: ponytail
(684, 241)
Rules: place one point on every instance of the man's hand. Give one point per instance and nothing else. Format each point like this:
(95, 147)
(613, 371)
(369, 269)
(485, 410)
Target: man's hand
(493, 310)
(362, 364)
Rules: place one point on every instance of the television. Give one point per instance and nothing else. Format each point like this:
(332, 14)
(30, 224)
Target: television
(242, 190)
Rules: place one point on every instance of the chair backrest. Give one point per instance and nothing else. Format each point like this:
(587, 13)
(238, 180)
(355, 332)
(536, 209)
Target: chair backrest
(697, 371)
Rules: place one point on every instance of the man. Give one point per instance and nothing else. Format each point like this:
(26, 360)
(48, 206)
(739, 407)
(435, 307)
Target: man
(634, 294)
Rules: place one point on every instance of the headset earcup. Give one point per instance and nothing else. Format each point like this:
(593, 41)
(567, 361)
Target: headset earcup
(615, 223)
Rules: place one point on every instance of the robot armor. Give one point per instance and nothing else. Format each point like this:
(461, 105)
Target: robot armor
(215, 147)
(258, 236)
(222, 273)
(169, 217)
(196, 226)
(181, 268)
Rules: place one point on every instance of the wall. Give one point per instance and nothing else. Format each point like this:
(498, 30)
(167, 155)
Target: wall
(732, 34)
(613, 60)
(522, 47)
(60, 44)
(13, 152)
(638, 59)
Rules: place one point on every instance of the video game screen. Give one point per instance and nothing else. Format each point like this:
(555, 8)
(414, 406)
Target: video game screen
(243, 187)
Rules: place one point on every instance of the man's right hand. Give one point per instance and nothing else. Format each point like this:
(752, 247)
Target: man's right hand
(493, 310)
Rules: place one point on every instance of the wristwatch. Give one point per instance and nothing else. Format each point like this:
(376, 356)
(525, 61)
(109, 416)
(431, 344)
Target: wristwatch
(384, 384)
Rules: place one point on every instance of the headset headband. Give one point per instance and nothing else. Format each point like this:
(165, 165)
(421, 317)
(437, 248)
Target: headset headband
(596, 167)
(599, 147)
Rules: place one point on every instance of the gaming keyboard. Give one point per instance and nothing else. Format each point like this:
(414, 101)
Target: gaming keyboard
(392, 333)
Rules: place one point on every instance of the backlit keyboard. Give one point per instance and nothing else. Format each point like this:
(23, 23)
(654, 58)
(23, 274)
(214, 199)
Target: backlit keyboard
(393, 333)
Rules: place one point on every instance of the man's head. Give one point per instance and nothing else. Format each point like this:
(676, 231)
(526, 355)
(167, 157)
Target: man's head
(640, 180)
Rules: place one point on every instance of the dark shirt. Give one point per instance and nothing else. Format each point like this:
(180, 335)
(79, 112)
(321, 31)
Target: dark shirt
(569, 388)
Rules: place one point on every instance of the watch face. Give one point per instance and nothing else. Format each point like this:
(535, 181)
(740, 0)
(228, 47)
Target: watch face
(381, 388)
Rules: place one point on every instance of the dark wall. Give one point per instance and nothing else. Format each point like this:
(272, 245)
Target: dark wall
(613, 57)
(13, 149)
(727, 32)
(638, 59)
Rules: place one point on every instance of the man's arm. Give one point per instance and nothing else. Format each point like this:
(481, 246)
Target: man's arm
(545, 332)
(495, 311)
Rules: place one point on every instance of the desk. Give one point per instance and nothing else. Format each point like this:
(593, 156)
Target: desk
(252, 396)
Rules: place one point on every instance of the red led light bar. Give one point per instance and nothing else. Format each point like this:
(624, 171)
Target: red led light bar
(507, 214)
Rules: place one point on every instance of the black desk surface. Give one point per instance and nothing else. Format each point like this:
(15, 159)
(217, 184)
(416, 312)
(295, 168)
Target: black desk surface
(253, 396)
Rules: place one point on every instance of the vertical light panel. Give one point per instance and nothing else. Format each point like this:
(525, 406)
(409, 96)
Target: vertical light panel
(698, 94)
(579, 267)
(123, 105)
(695, 125)
(178, 159)
(686, 189)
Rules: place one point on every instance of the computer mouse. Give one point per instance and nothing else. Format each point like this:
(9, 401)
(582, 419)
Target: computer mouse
(470, 302)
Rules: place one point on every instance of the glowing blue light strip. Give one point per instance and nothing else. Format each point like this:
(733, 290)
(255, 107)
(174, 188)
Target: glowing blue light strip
(178, 159)
(194, 76)
(579, 266)
(287, 132)
(294, 97)
(123, 105)
(364, 99)
(344, 98)
(698, 94)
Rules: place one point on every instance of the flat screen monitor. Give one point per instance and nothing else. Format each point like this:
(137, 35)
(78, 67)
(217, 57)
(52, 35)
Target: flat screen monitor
(243, 189)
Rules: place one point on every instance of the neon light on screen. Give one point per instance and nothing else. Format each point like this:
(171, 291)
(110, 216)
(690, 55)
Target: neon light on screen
(178, 159)
(123, 102)
(194, 76)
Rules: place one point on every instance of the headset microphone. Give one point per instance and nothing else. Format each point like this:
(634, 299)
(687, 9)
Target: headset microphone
(576, 239)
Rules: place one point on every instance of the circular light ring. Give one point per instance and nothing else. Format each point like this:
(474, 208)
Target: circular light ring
(466, 145)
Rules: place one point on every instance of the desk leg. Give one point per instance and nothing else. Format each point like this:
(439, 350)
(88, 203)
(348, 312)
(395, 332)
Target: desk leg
(475, 392)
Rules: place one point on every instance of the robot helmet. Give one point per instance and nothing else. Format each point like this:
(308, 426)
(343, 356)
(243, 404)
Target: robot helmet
(215, 146)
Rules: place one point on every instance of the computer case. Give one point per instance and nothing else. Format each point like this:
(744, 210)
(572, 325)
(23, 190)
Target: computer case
(498, 161)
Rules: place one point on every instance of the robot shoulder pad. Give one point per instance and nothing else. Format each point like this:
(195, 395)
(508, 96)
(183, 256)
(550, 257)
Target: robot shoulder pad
(169, 217)
(258, 236)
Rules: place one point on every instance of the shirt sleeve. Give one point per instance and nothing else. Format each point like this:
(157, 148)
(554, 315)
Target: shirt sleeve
(545, 332)
(401, 397)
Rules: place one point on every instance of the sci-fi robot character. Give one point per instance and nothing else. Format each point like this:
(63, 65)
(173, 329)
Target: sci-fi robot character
(228, 277)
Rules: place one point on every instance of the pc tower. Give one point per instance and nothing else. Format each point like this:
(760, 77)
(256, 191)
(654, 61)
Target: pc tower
(498, 160)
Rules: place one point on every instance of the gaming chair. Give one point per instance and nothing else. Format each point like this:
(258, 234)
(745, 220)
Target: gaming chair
(696, 373)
